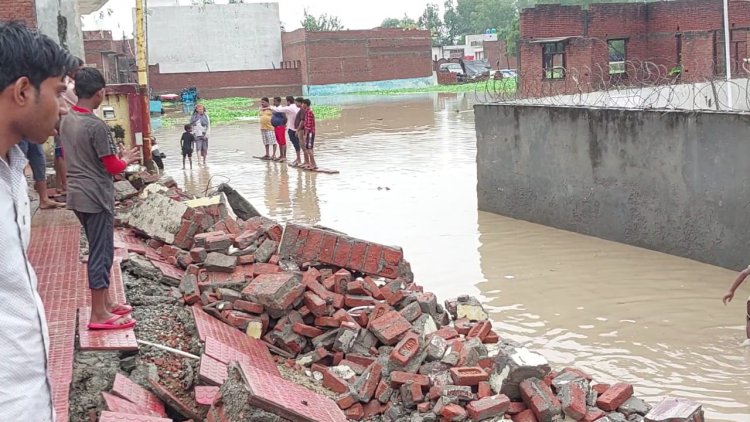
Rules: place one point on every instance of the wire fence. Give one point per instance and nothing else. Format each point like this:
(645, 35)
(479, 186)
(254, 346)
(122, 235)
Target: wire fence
(627, 84)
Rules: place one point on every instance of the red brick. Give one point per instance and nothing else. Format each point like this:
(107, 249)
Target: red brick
(463, 326)
(448, 333)
(342, 278)
(392, 256)
(328, 248)
(326, 321)
(369, 382)
(399, 377)
(260, 269)
(389, 327)
(237, 319)
(435, 392)
(334, 383)
(488, 407)
(359, 359)
(246, 259)
(315, 304)
(492, 338)
(356, 367)
(275, 291)
(383, 392)
(525, 416)
(453, 412)
(338, 357)
(406, 349)
(306, 330)
(250, 307)
(353, 301)
(539, 398)
(357, 260)
(468, 375)
(480, 330)
(361, 318)
(411, 394)
(355, 413)
(379, 310)
(372, 260)
(573, 400)
(372, 287)
(344, 316)
(614, 397)
(484, 390)
(424, 407)
(346, 400)
(600, 388)
(343, 252)
(373, 408)
(313, 243)
(357, 287)
(516, 407)
(329, 283)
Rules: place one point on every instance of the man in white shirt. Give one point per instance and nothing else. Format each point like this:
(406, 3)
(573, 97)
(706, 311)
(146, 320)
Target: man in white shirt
(32, 72)
(291, 109)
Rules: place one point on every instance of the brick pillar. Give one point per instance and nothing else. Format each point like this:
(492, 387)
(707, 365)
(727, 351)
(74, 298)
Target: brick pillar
(18, 10)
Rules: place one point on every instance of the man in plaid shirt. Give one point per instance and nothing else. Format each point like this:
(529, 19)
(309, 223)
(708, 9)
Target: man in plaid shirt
(309, 139)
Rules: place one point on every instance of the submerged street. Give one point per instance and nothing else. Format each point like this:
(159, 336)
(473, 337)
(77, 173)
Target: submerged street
(408, 178)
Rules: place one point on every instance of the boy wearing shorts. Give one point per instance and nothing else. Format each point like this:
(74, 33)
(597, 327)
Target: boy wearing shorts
(266, 128)
(730, 295)
(309, 135)
(279, 122)
(186, 144)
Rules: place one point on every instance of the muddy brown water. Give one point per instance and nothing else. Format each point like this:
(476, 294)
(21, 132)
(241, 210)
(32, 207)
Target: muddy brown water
(408, 177)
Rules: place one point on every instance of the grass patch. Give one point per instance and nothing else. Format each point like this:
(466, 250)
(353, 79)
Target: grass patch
(502, 85)
(229, 110)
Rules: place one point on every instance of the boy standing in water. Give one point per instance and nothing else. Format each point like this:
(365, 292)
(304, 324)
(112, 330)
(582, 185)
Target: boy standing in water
(279, 122)
(730, 295)
(309, 139)
(266, 128)
(186, 144)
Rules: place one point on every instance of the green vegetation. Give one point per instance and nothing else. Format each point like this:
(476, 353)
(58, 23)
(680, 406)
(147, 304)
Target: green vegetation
(491, 85)
(228, 110)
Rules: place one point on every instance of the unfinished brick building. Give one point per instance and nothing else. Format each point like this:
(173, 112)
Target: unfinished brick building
(566, 49)
(114, 58)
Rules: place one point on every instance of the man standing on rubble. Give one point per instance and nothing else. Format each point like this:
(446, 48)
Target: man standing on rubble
(92, 160)
(32, 72)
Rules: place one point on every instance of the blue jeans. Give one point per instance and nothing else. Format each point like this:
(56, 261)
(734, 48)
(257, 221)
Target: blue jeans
(35, 154)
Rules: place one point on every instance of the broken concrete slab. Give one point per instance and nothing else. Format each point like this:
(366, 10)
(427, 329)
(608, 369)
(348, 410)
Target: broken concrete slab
(241, 206)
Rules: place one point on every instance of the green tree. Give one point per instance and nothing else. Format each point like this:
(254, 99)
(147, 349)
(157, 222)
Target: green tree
(451, 24)
(406, 22)
(430, 20)
(323, 22)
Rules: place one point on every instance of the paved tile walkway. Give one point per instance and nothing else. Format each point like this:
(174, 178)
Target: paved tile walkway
(54, 253)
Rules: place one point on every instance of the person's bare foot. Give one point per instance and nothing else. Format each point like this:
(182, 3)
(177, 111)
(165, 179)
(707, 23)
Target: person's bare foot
(50, 204)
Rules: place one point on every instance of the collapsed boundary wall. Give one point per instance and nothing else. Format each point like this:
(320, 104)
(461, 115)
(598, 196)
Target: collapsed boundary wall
(672, 181)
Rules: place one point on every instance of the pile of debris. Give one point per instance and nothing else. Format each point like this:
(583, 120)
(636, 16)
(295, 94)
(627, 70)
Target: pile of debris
(347, 314)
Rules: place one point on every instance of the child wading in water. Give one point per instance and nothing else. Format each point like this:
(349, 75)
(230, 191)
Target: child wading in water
(730, 295)
(186, 143)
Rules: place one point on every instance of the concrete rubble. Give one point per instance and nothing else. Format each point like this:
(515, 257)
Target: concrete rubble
(347, 314)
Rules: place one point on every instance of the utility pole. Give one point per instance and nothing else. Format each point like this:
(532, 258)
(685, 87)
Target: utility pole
(727, 58)
(142, 62)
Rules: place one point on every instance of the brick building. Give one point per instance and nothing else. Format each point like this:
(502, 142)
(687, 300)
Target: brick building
(564, 49)
(379, 57)
(114, 58)
(318, 63)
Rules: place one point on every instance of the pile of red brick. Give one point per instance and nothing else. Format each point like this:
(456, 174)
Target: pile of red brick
(349, 314)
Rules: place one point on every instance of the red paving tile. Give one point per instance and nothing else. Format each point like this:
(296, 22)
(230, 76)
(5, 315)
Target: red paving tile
(103, 340)
(227, 335)
(173, 401)
(211, 371)
(125, 388)
(256, 354)
(205, 395)
(54, 253)
(125, 417)
(288, 399)
(116, 404)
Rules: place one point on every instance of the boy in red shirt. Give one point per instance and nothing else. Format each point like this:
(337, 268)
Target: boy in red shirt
(309, 139)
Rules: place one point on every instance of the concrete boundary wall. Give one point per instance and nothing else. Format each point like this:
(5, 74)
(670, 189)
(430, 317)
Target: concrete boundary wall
(672, 181)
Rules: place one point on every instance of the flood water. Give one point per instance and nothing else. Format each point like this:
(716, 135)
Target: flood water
(408, 178)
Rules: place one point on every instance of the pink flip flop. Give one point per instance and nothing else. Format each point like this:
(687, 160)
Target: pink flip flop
(110, 324)
(122, 309)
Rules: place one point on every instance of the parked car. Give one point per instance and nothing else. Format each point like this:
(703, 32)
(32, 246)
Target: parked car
(508, 73)
(451, 67)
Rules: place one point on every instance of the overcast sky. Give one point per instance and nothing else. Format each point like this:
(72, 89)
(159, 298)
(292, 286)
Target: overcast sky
(354, 14)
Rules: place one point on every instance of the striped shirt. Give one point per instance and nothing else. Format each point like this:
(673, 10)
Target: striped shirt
(24, 340)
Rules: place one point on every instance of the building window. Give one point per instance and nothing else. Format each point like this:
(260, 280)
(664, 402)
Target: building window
(617, 56)
(553, 60)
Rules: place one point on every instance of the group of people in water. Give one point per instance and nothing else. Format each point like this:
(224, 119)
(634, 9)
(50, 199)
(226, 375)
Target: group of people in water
(295, 120)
